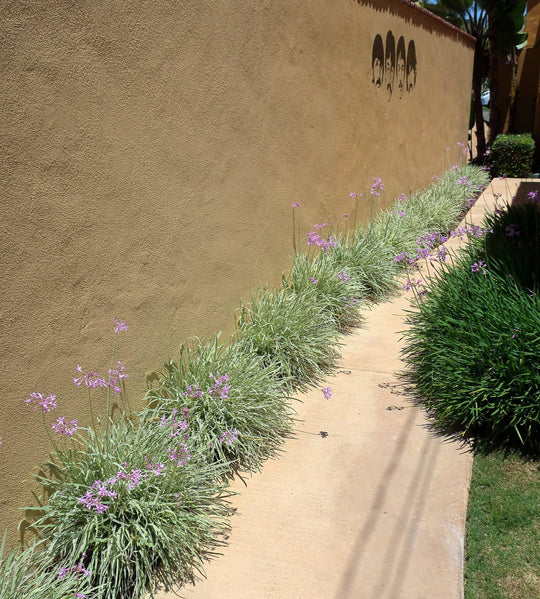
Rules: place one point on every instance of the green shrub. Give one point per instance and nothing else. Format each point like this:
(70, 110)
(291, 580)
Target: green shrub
(512, 155)
(130, 510)
(473, 352)
(234, 403)
(291, 333)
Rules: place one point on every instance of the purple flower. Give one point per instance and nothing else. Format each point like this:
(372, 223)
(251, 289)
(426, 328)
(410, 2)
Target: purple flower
(351, 301)
(402, 197)
(442, 253)
(463, 181)
(314, 281)
(377, 186)
(120, 325)
(90, 380)
(533, 195)
(133, 479)
(343, 276)
(327, 392)
(515, 331)
(502, 177)
(401, 257)
(193, 391)
(400, 213)
(346, 215)
(218, 388)
(92, 498)
(47, 403)
(1, 442)
(177, 426)
(435, 177)
(228, 437)
(296, 205)
(116, 376)
(180, 456)
(78, 569)
(154, 467)
(479, 266)
(317, 227)
(352, 195)
(511, 230)
(64, 428)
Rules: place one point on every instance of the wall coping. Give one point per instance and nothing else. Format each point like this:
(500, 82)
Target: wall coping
(433, 16)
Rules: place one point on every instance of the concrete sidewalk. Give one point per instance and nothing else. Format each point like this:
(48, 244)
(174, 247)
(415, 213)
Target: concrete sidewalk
(365, 502)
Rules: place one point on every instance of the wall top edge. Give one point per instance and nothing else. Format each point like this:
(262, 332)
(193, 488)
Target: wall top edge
(433, 16)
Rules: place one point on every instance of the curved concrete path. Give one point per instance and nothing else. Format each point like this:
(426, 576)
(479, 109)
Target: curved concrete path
(365, 502)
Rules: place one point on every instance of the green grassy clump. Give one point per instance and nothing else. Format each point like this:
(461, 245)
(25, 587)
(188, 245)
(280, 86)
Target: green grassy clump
(513, 248)
(24, 574)
(233, 403)
(473, 348)
(334, 284)
(502, 547)
(436, 209)
(291, 333)
(512, 155)
(133, 516)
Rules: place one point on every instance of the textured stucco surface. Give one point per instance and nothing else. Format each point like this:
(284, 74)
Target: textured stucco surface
(150, 156)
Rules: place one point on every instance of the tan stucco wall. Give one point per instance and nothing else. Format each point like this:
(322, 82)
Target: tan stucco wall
(151, 152)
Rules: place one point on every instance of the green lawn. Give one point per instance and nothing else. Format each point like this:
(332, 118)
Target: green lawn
(502, 552)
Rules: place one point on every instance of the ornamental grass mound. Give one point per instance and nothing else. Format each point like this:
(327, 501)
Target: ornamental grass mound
(473, 345)
(232, 403)
(130, 509)
(292, 335)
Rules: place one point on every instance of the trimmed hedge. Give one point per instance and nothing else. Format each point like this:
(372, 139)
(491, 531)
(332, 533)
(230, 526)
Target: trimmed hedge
(512, 155)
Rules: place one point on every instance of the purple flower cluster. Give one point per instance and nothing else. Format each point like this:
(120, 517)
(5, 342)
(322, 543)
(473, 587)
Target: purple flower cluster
(64, 428)
(219, 388)
(327, 392)
(351, 302)
(313, 238)
(533, 196)
(464, 148)
(77, 569)
(180, 456)
(400, 213)
(473, 230)
(512, 230)
(92, 499)
(177, 427)
(92, 379)
(120, 325)
(314, 281)
(116, 376)
(479, 266)
(418, 285)
(377, 186)
(343, 276)
(47, 402)
(154, 467)
(228, 437)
